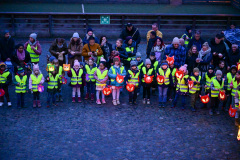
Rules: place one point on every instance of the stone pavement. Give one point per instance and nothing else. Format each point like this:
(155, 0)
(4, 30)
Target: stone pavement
(89, 131)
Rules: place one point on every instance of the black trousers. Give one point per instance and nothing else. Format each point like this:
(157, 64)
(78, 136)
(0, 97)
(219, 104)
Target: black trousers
(5, 88)
(133, 95)
(146, 91)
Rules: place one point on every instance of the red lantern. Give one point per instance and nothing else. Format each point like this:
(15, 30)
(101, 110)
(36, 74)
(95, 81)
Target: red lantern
(2, 92)
(160, 79)
(119, 78)
(232, 112)
(170, 60)
(107, 91)
(179, 74)
(66, 67)
(238, 66)
(130, 87)
(148, 79)
(64, 80)
(205, 99)
(190, 84)
(40, 88)
(222, 95)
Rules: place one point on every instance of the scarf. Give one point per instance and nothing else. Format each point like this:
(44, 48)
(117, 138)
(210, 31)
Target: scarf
(204, 54)
(59, 46)
(32, 44)
(21, 56)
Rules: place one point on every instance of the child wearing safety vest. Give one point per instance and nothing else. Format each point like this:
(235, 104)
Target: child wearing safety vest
(113, 72)
(172, 86)
(101, 76)
(61, 73)
(163, 87)
(237, 100)
(21, 84)
(77, 80)
(90, 68)
(36, 79)
(230, 90)
(53, 79)
(155, 66)
(194, 91)
(133, 78)
(182, 87)
(50, 63)
(218, 84)
(149, 71)
(139, 65)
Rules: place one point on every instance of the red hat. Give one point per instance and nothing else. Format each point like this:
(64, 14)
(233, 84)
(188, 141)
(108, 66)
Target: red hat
(116, 58)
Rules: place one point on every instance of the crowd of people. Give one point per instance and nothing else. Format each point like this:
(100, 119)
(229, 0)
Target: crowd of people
(189, 66)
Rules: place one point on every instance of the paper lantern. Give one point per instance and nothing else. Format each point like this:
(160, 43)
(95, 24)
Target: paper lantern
(170, 60)
(64, 80)
(160, 79)
(40, 88)
(51, 68)
(107, 91)
(205, 99)
(130, 87)
(2, 92)
(66, 67)
(232, 112)
(238, 66)
(119, 78)
(148, 79)
(190, 84)
(238, 136)
(179, 74)
(222, 95)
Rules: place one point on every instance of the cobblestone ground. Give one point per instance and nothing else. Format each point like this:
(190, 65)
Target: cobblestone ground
(89, 131)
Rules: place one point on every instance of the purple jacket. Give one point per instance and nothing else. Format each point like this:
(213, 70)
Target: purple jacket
(69, 73)
(105, 79)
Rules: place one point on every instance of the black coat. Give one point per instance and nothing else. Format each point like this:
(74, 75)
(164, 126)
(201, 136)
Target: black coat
(191, 62)
(15, 61)
(136, 37)
(6, 48)
(198, 43)
(218, 48)
(150, 45)
(232, 58)
(105, 54)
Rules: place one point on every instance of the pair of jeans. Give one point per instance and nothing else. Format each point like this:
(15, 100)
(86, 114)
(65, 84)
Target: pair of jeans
(5, 88)
(20, 99)
(162, 94)
(91, 87)
(59, 93)
(133, 95)
(51, 96)
(146, 91)
(36, 95)
(176, 99)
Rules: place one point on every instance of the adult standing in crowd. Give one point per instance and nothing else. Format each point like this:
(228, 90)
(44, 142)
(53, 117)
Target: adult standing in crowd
(75, 49)
(187, 36)
(107, 50)
(151, 42)
(130, 30)
(191, 59)
(130, 50)
(177, 51)
(59, 49)
(218, 49)
(196, 40)
(7, 45)
(154, 28)
(158, 48)
(233, 56)
(33, 47)
(88, 35)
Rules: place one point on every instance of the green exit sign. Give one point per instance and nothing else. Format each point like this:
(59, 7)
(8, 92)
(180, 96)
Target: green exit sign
(105, 19)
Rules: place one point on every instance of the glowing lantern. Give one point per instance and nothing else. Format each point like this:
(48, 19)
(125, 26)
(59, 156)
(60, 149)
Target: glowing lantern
(170, 60)
(64, 80)
(148, 79)
(2, 92)
(190, 84)
(238, 66)
(238, 136)
(40, 88)
(107, 91)
(222, 95)
(179, 74)
(130, 87)
(119, 78)
(66, 67)
(205, 99)
(232, 112)
(160, 79)
(51, 68)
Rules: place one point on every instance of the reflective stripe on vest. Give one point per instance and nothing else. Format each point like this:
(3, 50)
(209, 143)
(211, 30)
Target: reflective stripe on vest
(217, 86)
(90, 73)
(237, 106)
(173, 74)
(182, 85)
(145, 72)
(33, 55)
(229, 78)
(60, 70)
(155, 66)
(114, 72)
(187, 40)
(22, 84)
(35, 82)
(3, 77)
(101, 76)
(53, 82)
(235, 85)
(129, 50)
(134, 79)
(195, 87)
(209, 80)
(166, 76)
(76, 79)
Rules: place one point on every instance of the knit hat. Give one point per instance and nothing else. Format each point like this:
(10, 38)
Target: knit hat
(198, 32)
(233, 67)
(2, 64)
(148, 61)
(175, 40)
(133, 63)
(218, 72)
(138, 54)
(51, 59)
(75, 35)
(128, 38)
(195, 70)
(35, 67)
(206, 44)
(20, 70)
(92, 59)
(33, 35)
(164, 63)
(117, 58)
(211, 67)
(183, 68)
(152, 54)
(103, 61)
(219, 36)
(89, 29)
(76, 63)
(6, 31)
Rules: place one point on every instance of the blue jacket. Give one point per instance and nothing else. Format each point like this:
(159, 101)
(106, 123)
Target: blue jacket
(130, 54)
(113, 76)
(179, 55)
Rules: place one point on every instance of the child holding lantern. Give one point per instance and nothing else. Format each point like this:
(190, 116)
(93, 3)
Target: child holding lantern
(172, 86)
(231, 80)
(61, 73)
(90, 68)
(195, 88)
(36, 79)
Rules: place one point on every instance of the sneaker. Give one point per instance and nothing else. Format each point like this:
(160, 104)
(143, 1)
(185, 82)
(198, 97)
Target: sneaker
(87, 96)
(130, 103)
(1, 104)
(210, 112)
(92, 97)
(34, 104)
(193, 109)
(114, 102)
(144, 101)
(160, 105)
(79, 100)
(73, 100)
(9, 104)
(148, 101)
(39, 103)
(103, 101)
(118, 102)
(98, 101)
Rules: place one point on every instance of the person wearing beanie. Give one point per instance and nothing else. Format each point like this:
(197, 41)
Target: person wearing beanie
(147, 70)
(218, 84)
(130, 30)
(155, 64)
(50, 64)
(21, 85)
(173, 81)
(77, 80)
(88, 35)
(36, 79)
(187, 35)
(139, 60)
(182, 89)
(101, 76)
(7, 45)
(194, 91)
(196, 40)
(236, 96)
(90, 68)
(114, 71)
(133, 78)
(75, 48)
(33, 47)
(163, 86)
(130, 50)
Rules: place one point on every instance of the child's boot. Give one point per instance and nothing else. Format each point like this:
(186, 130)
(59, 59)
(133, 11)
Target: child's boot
(98, 101)
(60, 99)
(73, 100)
(1, 104)
(118, 102)
(114, 102)
(211, 112)
(9, 104)
(92, 97)
(79, 100)
(163, 104)
(103, 101)
(57, 98)
(144, 101)
(87, 96)
(39, 103)
(148, 101)
(34, 104)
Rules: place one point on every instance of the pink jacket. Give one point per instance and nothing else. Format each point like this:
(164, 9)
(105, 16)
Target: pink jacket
(105, 79)
(30, 81)
(38, 50)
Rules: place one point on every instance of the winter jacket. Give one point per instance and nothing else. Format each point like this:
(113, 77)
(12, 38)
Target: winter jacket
(30, 80)
(150, 45)
(86, 41)
(106, 53)
(178, 53)
(198, 43)
(87, 48)
(15, 61)
(54, 48)
(232, 58)
(206, 60)
(191, 62)
(38, 51)
(77, 47)
(129, 53)
(113, 76)
(134, 33)
(122, 53)
(158, 33)
(159, 52)
(54, 90)
(8, 81)
(142, 76)
(21, 77)
(6, 48)
(218, 48)
(69, 73)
